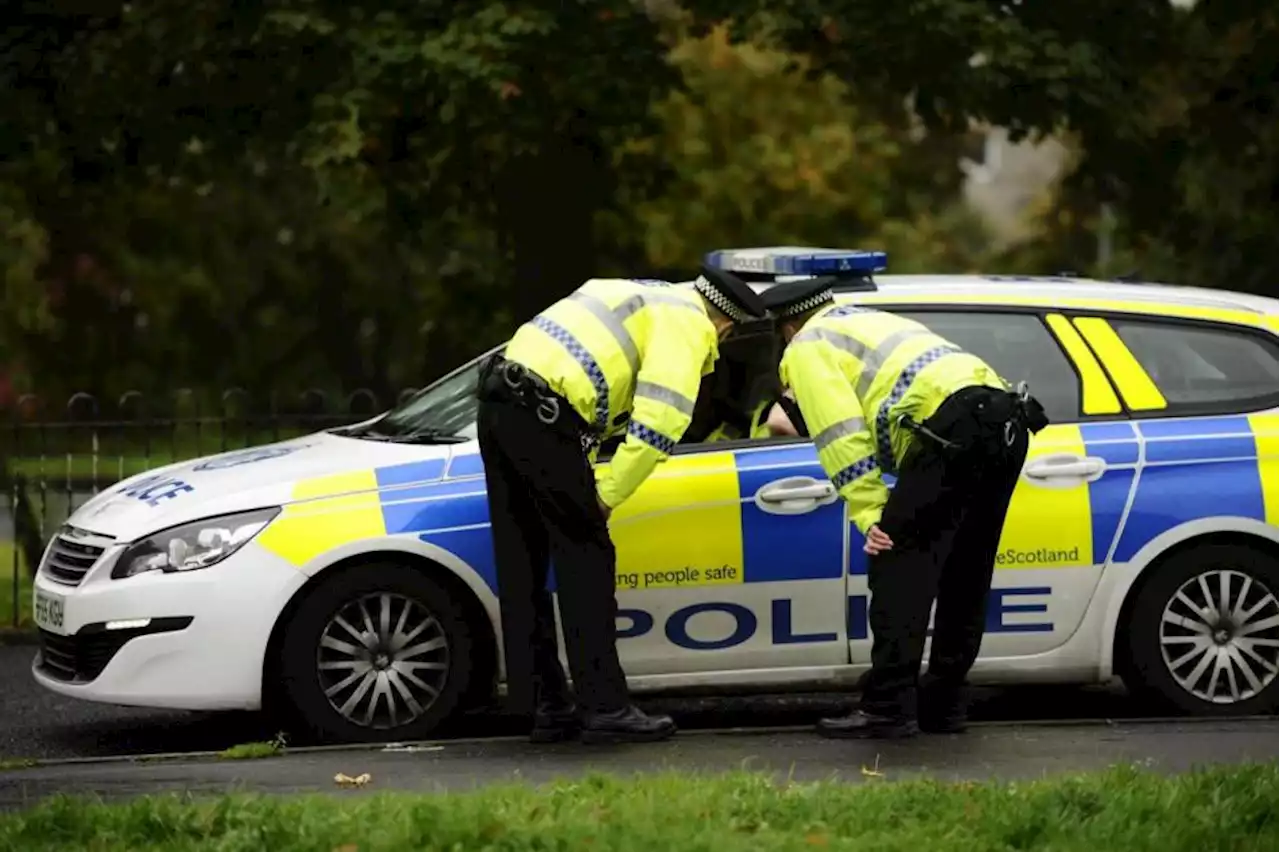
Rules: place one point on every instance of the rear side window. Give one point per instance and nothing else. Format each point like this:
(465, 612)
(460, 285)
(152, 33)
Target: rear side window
(1018, 347)
(1205, 370)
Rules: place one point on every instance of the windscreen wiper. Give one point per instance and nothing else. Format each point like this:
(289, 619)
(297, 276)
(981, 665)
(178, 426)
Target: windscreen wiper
(363, 432)
(428, 436)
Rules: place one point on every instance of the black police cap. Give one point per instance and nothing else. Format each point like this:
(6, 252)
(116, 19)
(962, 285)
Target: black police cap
(793, 298)
(731, 295)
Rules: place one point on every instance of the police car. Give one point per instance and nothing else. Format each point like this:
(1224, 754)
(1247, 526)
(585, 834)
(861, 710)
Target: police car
(1141, 542)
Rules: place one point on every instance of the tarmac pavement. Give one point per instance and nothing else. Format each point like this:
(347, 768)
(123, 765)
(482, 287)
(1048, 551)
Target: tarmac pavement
(998, 750)
(38, 724)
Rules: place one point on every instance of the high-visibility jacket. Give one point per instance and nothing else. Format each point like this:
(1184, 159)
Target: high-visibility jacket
(626, 355)
(757, 425)
(854, 372)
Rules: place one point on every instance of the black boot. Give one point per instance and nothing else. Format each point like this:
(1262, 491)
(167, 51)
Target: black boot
(628, 725)
(944, 714)
(860, 725)
(555, 721)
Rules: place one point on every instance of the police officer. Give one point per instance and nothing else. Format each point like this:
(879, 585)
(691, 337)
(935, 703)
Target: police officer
(883, 394)
(615, 356)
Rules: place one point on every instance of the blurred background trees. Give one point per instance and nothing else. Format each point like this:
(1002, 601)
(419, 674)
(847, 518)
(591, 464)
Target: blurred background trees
(319, 193)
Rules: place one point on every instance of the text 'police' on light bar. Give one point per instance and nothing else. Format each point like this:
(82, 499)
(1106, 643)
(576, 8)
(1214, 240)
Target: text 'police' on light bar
(797, 260)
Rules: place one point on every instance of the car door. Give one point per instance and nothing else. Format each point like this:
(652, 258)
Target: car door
(731, 558)
(1066, 510)
(1203, 396)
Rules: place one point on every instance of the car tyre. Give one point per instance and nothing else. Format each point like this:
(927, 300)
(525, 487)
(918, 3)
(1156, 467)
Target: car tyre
(381, 639)
(1191, 643)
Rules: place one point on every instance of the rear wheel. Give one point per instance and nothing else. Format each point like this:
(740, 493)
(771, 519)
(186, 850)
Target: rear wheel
(375, 653)
(1204, 633)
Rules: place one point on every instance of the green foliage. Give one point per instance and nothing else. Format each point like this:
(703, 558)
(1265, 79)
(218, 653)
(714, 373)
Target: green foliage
(325, 194)
(1190, 172)
(1025, 66)
(255, 751)
(761, 150)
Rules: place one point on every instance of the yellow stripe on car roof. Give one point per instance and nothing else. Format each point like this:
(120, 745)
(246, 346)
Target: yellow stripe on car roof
(1153, 308)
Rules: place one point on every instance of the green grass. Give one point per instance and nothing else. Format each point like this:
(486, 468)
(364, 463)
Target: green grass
(1125, 809)
(254, 751)
(7, 551)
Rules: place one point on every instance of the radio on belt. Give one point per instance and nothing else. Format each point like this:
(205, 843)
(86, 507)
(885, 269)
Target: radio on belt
(798, 261)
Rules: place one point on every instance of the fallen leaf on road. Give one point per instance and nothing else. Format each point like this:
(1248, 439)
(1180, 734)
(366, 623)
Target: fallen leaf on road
(874, 771)
(407, 749)
(344, 780)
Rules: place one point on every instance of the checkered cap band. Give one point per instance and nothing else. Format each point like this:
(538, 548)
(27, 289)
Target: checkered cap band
(720, 300)
(817, 300)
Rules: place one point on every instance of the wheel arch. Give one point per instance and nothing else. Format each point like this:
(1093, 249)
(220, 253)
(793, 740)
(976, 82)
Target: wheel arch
(460, 580)
(1137, 573)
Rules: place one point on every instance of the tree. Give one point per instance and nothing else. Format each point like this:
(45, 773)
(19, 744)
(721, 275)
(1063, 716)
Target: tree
(1192, 186)
(759, 150)
(1025, 66)
(469, 139)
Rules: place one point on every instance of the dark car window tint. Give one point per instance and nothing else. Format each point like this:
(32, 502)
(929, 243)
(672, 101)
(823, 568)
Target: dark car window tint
(1203, 369)
(1017, 346)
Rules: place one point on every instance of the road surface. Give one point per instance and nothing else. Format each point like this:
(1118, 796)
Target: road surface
(1008, 751)
(38, 724)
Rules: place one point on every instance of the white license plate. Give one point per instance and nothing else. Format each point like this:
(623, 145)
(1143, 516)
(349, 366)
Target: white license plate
(49, 611)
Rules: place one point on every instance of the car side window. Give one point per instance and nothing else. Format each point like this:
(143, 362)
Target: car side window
(1018, 346)
(1201, 369)
(745, 376)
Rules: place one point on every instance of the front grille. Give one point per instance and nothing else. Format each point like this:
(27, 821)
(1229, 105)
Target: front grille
(82, 657)
(72, 553)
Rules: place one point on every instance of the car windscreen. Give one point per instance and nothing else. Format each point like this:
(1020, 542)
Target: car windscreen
(446, 407)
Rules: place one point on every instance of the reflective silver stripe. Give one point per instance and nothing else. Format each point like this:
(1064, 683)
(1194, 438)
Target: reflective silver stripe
(872, 358)
(614, 319)
(658, 393)
(875, 361)
(838, 339)
(669, 299)
(835, 431)
(613, 322)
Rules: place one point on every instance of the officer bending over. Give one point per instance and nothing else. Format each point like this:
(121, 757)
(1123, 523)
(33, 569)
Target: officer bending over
(882, 393)
(614, 356)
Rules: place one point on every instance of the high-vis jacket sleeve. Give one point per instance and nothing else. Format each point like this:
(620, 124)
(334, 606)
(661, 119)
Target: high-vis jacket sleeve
(666, 388)
(839, 429)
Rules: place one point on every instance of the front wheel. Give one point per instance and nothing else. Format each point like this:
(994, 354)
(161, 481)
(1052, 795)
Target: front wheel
(377, 652)
(1204, 633)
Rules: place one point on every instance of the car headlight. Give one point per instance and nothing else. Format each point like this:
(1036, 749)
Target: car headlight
(189, 547)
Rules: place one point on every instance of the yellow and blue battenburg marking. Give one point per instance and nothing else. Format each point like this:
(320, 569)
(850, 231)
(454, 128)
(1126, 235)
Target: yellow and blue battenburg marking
(1060, 527)
(331, 511)
(1199, 468)
(694, 522)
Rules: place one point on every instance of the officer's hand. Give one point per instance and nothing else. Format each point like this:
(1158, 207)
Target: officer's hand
(604, 509)
(877, 541)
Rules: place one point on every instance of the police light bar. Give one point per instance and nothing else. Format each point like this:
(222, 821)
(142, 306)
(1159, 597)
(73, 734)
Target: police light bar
(797, 260)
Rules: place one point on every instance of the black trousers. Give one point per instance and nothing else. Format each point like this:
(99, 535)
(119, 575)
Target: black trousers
(543, 507)
(945, 516)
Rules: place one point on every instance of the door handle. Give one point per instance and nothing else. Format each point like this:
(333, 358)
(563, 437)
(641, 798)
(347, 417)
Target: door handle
(795, 495)
(786, 493)
(1066, 465)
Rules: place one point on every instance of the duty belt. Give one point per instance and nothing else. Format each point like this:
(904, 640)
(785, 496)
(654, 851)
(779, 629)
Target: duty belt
(1027, 414)
(532, 391)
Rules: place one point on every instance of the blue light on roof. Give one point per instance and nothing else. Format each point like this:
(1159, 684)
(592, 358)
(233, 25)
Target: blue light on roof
(797, 260)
